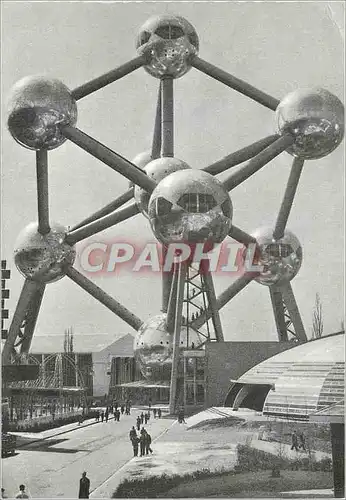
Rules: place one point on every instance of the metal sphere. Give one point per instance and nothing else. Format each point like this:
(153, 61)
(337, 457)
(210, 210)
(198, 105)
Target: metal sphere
(169, 43)
(157, 170)
(141, 160)
(43, 258)
(190, 206)
(37, 107)
(315, 118)
(281, 259)
(153, 347)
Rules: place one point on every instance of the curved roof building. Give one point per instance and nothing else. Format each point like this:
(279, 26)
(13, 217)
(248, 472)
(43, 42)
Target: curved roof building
(295, 383)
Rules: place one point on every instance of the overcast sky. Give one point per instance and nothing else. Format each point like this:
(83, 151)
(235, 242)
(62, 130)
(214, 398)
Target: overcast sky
(276, 47)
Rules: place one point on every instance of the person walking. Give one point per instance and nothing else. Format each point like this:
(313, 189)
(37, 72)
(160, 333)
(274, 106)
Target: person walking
(146, 418)
(294, 441)
(122, 408)
(147, 443)
(118, 415)
(107, 414)
(181, 416)
(138, 422)
(135, 444)
(154, 412)
(102, 416)
(97, 416)
(142, 441)
(302, 441)
(142, 418)
(84, 486)
(22, 493)
(159, 412)
(133, 433)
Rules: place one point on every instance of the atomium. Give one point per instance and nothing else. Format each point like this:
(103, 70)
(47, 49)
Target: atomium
(315, 118)
(43, 258)
(190, 206)
(37, 108)
(169, 42)
(157, 169)
(183, 205)
(153, 347)
(281, 259)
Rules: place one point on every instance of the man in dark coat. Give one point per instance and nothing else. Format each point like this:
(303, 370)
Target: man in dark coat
(294, 441)
(107, 414)
(138, 423)
(102, 416)
(117, 415)
(147, 443)
(142, 418)
(142, 441)
(159, 412)
(133, 433)
(84, 486)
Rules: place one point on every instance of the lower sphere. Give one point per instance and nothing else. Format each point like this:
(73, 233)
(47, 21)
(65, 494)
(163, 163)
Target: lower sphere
(281, 259)
(153, 347)
(43, 258)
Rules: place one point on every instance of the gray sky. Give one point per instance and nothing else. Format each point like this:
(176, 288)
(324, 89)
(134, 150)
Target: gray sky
(276, 47)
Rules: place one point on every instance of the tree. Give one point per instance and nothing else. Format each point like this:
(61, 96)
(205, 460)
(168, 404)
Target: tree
(317, 319)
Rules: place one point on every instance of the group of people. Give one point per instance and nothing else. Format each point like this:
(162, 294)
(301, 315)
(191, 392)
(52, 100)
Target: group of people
(140, 443)
(21, 494)
(103, 415)
(298, 441)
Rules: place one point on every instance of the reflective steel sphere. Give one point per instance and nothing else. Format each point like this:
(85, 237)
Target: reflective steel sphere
(141, 160)
(169, 42)
(157, 170)
(190, 206)
(153, 347)
(36, 109)
(315, 118)
(43, 258)
(281, 259)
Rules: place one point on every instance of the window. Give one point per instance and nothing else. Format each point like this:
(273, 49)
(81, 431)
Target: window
(169, 32)
(195, 203)
(163, 206)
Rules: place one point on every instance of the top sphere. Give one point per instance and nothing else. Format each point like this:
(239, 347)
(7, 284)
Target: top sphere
(169, 42)
(37, 107)
(157, 169)
(315, 118)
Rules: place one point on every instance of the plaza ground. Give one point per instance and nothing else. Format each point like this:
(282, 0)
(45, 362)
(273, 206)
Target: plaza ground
(51, 467)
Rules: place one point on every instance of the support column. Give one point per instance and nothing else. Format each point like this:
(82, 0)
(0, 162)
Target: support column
(167, 122)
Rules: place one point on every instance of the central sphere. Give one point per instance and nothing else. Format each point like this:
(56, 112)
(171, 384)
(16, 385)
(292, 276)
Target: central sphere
(43, 258)
(153, 347)
(157, 170)
(169, 43)
(281, 259)
(190, 206)
(37, 107)
(315, 118)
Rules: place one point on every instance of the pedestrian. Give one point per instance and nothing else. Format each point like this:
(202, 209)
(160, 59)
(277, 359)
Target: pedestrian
(118, 415)
(146, 418)
(127, 410)
(147, 443)
(80, 419)
(98, 416)
(181, 416)
(142, 441)
(142, 418)
(84, 486)
(138, 423)
(22, 493)
(135, 443)
(149, 403)
(107, 414)
(102, 416)
(154, 412)
(294, 441)
(148, 415)
(122, 408)
(302, 441)
(159, 412)
(116, 404)
(133, 433)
